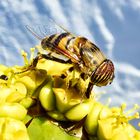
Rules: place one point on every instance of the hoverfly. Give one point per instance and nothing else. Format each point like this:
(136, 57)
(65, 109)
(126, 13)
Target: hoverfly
(82, 53)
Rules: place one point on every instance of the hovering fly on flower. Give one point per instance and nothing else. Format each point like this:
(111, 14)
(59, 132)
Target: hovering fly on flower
(79, 51)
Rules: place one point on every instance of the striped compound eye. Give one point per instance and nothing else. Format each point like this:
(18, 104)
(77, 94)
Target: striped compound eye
(104, 74)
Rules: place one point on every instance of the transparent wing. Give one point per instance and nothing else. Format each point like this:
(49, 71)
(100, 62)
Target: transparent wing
(91, 55)
(40, 31)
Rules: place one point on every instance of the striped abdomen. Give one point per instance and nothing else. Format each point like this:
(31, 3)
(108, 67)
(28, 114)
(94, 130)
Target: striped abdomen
(60, 41)
(62, 44)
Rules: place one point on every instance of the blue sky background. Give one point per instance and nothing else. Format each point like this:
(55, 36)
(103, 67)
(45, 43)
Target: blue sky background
(114, 25)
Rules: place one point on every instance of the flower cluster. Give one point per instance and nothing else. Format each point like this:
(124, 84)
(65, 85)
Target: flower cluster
(53, 89)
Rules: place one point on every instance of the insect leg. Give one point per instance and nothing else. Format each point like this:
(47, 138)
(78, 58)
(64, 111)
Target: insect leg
(45, 56)
(89, 89)
(49, 57)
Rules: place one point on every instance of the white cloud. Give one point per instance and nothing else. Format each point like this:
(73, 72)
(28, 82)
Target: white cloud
(135, 4)
(127, 69)
(78, 21)
(116, 7)
(20, 6)
(104, 29)
(56, 11)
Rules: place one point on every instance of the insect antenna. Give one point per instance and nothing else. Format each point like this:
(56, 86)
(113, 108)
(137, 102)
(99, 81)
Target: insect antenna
(33, 32)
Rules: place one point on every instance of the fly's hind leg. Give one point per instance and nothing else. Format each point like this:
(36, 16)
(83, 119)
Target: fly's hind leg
(48, 57)
(45, 56)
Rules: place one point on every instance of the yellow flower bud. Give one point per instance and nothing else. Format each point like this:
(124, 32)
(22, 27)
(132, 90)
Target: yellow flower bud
(91, 122)
(47, 97)
(18, 92)
(11, 129)
(79, 111)
(13, 110)
(105, 128)
(29, 83)
(63, 102)
(56, 115)
(4, 93)
(27, 102)
(53, 67)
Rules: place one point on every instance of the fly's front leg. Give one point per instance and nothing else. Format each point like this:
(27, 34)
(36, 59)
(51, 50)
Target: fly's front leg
(89, 89)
